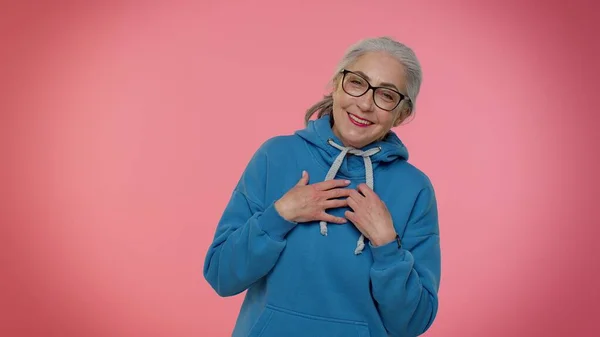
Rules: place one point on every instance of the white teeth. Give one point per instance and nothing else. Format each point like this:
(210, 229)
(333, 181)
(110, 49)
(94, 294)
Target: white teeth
(358, 120)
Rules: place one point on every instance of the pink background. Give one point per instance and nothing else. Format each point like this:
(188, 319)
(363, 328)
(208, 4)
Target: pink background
(124, 128)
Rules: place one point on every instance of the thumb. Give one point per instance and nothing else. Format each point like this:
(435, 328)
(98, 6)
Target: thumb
(304, 179)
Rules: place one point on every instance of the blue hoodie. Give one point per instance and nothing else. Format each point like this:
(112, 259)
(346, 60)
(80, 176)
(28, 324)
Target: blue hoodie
(312, 280)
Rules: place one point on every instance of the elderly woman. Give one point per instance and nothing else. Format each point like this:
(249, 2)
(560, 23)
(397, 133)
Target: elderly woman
(330, 230)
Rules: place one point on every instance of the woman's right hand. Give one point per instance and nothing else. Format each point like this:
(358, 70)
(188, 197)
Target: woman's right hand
(304, 202)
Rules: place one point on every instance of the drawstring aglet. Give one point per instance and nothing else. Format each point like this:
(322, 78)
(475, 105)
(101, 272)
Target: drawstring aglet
(323, 225)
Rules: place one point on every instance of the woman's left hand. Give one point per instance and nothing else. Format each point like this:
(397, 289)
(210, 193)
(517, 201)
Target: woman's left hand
(370, 216)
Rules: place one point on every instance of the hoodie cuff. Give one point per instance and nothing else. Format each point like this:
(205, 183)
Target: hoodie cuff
(272, 223)
(387, 255)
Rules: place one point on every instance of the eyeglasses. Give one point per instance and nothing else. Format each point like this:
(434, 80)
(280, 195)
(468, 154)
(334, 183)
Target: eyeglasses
(356, 85)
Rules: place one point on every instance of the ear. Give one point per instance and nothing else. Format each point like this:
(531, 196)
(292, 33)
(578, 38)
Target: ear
(398, 120)
(402, 114)
(337, 81)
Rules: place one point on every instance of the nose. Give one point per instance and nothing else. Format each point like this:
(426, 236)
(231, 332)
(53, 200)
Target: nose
(365, 102)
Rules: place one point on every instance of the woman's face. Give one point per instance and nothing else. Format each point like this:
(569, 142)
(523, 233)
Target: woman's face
(359, 121)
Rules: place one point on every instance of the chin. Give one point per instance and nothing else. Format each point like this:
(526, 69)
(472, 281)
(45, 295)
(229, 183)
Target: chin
(355, 140)
(351, 134)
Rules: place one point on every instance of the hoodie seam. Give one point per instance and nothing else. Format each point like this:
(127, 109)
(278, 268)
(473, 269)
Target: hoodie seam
(260, 205)
(249, 200)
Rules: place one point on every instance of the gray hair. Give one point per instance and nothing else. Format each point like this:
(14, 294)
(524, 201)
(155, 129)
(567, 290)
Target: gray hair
(401, 52)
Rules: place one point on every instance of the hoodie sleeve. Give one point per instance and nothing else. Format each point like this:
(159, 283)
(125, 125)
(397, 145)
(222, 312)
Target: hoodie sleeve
(249, 236)
(405, 280)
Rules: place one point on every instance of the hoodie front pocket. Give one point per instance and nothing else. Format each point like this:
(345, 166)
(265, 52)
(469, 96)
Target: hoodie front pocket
(277, 322)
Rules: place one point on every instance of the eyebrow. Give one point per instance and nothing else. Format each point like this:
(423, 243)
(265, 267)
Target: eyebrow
(385, 84)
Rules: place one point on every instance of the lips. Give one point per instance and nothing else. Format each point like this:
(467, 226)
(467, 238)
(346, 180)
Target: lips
(359, 121)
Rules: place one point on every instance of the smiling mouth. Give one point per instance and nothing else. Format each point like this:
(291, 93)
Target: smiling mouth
(358, 121)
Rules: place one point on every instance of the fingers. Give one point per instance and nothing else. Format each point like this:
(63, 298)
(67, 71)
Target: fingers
(363, 189)
(304, 179)
(352, 203)
(366, 190)
(337, 193)
(329, 184)
(353, 218)
(335, 203)
(332, 219)
(355, 195)
(350, 216)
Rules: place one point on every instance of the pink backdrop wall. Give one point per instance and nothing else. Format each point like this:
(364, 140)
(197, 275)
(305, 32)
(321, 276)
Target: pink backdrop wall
(125, 127)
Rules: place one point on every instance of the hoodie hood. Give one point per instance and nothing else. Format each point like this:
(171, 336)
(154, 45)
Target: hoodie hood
(349, 162)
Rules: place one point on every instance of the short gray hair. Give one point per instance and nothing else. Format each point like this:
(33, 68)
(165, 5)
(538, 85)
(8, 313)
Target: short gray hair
(401, 52)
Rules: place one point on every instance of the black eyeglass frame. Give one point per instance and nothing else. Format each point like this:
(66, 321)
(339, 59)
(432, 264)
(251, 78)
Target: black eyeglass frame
(344, 72)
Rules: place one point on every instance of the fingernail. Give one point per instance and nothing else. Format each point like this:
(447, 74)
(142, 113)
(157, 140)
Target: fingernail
(347, 181)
